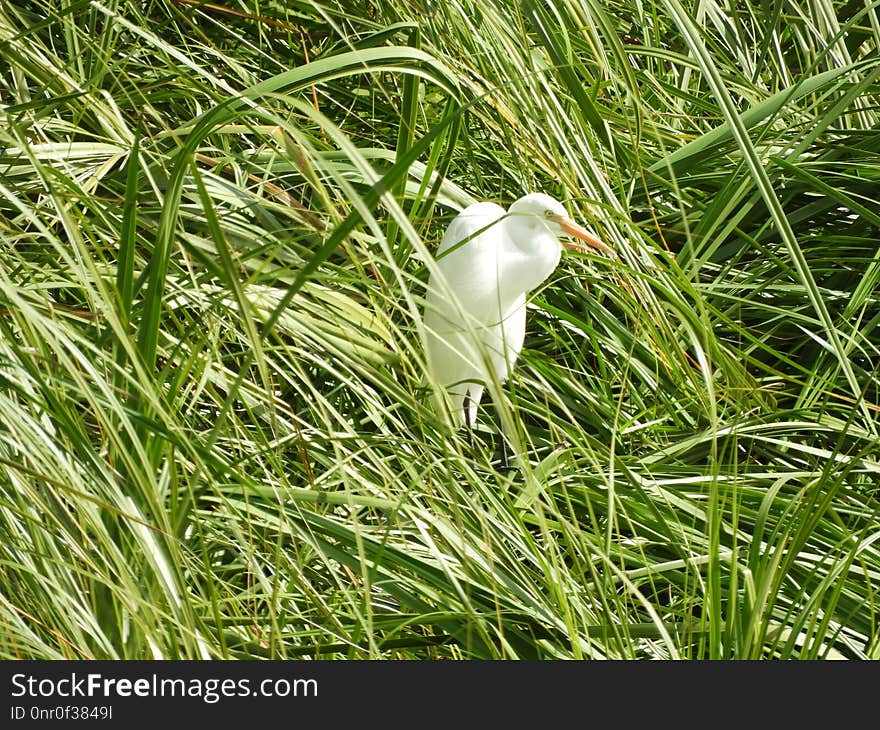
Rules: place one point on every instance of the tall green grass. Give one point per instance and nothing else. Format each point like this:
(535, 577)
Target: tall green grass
(216, 433)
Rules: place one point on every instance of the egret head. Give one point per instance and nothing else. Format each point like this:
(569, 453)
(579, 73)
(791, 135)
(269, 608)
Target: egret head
(538, 212)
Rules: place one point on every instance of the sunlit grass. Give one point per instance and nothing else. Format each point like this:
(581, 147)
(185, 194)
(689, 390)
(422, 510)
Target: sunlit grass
(216, 433)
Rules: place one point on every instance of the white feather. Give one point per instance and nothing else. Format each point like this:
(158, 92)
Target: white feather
(475, 312)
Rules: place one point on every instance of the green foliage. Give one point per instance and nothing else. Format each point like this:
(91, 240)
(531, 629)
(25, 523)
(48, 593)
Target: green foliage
(216, 434)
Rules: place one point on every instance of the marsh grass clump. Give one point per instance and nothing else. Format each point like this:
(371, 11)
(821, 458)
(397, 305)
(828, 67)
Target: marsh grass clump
(216, 228)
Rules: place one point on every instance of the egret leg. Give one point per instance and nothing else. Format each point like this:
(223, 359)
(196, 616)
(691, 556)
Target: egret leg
(505, 464)
(468, 420)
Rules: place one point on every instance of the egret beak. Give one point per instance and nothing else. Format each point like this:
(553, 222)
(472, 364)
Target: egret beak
(569, 227)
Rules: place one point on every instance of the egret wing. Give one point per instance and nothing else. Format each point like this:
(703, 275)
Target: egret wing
(468, 260)
(468, 228)
(467, 264)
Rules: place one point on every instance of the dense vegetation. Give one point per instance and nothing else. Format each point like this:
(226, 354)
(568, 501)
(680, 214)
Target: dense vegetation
(217, 440)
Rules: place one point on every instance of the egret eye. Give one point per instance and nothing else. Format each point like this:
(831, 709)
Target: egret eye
(548, 213)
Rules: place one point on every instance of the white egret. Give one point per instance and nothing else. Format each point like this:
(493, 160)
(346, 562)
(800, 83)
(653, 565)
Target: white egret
(490, 259)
